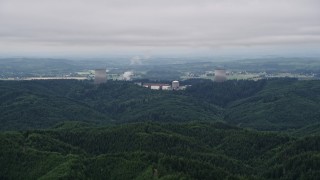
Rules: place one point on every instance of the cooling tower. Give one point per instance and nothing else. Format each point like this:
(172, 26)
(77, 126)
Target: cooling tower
(220, 75)
(175, 85)
(100, 76)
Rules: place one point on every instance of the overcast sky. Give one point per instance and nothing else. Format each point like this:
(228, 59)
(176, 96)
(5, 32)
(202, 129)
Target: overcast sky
(150, 26)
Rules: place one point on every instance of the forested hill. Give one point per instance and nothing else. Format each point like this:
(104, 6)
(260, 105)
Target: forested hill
(42, 104)
(280, 105)
(276, 104)
(156, 151)
(65, 129)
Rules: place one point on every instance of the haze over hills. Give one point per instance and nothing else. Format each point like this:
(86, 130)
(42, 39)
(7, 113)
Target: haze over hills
(158, 68)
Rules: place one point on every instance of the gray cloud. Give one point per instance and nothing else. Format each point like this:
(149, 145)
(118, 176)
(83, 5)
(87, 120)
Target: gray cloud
(57, 25)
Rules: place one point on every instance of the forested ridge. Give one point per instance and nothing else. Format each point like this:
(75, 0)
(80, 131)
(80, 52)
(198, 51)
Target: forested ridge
(42, 104)
(276, 104)
(73, 150)
(65, 129)
(280, 105)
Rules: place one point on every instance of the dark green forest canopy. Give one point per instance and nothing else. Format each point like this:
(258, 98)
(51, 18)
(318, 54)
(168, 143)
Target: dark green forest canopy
(41, 104)
(275, 104)
(280, 105)
(77, 150)
(118, 130)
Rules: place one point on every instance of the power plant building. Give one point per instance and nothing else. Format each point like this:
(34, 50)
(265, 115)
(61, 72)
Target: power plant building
(156, 86)
(166, 87)
(175, 85)
(220, 75)
(100, 76)
(159, 86)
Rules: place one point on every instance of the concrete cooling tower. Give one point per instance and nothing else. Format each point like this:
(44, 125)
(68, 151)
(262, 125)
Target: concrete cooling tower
(220, 75)
(100, 76)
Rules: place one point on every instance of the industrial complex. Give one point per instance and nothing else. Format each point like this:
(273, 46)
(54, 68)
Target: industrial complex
(159, 86)
(100, 77)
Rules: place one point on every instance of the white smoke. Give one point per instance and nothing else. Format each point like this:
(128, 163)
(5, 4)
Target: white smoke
(146, 57)
(127, 75)
(136, 60)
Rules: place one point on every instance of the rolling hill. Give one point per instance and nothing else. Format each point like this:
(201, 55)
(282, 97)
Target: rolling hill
(65, 129)
(156, 151)
(282, 104)
(276, 104)
(41, 104)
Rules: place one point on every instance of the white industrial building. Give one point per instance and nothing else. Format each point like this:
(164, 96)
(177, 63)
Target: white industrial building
(158, 86)
(166, 87)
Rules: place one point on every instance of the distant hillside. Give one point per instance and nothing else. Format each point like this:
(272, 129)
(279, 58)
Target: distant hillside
(281, 104)
(276, 104)
(223, 93)
(156, 151)
(311, 130)
(41, 104)
(29, 66)
(128, 102)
